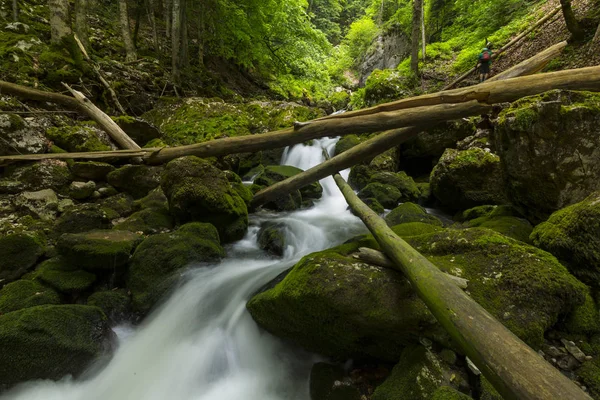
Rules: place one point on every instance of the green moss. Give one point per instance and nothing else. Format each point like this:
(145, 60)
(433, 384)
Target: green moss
(147, 221)
(516, 228)
(116, 304)
(19, 252)
(155, 143)
(415, 229)
(374, 205)
(585, 318)
(488, 392)
(449, 393)
(26, 293)
(410, 212)
(49, 341)
(155, 199)
(271, 238)
(157, 261)
(360, 176)
(63, 277)
(589, 374)
(475, 212)
(91, 170)
(136, 180)
(346, 143)
(387, 195)
(404, 183)
(76, 138)
(388, 85)
(83, 218)
(98, 250)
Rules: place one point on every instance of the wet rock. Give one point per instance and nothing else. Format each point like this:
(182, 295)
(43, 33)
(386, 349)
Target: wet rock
(136, 180)
(277, 173)
(116, 304)
(91, 170)
(346, 143)
(574, 350)
(18, 253)
(101, 250)
(50, 341)
(271, 238)
(567, 363)
(81, 190)
(26, 293)
(404, 183)
(42, 204)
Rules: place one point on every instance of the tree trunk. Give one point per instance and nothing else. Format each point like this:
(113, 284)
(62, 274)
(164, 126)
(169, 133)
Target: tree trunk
(125, 32)
(168, 15)
(152, 15)
(60, 20)
(81, 22)
(532, 65)
(515, 370)
(176, 40)
(416, 28)
(185, 58)
(138, 20)
(423, 40)
(15, 10)
(573, 26)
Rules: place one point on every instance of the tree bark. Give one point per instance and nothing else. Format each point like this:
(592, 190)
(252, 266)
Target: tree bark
(60, 20)
(416, 30)
(176, 40)
(168, 16)
(15, 10)
(185, 59)
(513, 368)
(423, 40)
(126, 32)
(152, 15)
(81, 22)
(138, 20)
(573, 26)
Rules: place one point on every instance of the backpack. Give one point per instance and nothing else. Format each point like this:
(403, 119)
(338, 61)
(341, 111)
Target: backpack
(485, 56)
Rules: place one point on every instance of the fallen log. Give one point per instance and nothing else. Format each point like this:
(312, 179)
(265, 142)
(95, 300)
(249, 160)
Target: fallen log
(374, 257)
(507, 46)
(513, 368)
(532, 65)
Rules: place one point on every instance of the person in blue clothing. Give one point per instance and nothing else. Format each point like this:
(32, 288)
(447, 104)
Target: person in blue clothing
(484, 62)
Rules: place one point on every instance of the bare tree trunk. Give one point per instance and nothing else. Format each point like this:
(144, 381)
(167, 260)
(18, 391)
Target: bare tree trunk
(138, 20)
(201, 37)
(151, 14)
(416, 27)
(81, 22)
(15, 10)
(185, 52)
(423, 40)
(168, 14)
(176, 40)
(60, 20)
(573, 26)
(125, 32)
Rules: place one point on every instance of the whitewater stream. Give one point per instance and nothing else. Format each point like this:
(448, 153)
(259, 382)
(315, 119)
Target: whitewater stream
(201, 343)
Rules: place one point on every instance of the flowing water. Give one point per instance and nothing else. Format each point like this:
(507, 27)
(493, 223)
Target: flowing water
(201, 343)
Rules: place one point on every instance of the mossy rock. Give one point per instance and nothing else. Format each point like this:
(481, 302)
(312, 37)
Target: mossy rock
(374, 205)
(387, 161)
(91, 170)
(101, 250)
(339, 100)
(346, 143)
(147, 221)
(136, 180)
(236, 184)
(410, 212)
(360, 176)
(48, 174)
(83, 218)
(488, 392)
(465, 179)
(475, 212)
(155, 199)
(449, 393)
(251, 175)
(50, 341)
(120, 204)
(388, 85)
(589, 375)
(584, 319)
(417, 376)
(78, 139)
(64, 277)
(271, 238)
(573, 235)
(404, 183)
(387, 195)
(516, 228)
(81, 190)
(18, 253)
(115, 304)
(26, 293)
(329, 382)
(425, 196)
(197, 191)
(277, 173)
(142, 132)
(158, 260)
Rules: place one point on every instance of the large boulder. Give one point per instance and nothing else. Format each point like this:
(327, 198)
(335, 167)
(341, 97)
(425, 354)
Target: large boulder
(136, 180)
(102, 250)
(80, 138)
(465, 179)
(42, 204)
(158, 260)
(198, 191)
(387, 195)
(18, 253)
(502, 219)
(26, 293)
(50, 341)
(550, 150)
(116, 304)
(335, 305)
(91, 170)
(64, 277)
(83, 218)
(46, 174)
(573, 235)
(410, 212)
(271, 238)
(401, 181)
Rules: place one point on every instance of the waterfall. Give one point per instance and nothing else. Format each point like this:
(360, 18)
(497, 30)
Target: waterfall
(201, 343)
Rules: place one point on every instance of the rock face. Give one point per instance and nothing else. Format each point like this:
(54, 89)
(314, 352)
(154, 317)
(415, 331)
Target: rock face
(198, 191)
(333, 304)
(24, 136)
(465, 179)
(390, 48)
(18, 253)
(157, 261)
(573, 235)
(42, 204)
(49, 341)
(46, 174)
(559, 133)
(91, 170)
(79, 138)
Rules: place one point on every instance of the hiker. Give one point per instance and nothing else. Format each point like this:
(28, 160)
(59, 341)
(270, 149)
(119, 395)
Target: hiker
(484, 62)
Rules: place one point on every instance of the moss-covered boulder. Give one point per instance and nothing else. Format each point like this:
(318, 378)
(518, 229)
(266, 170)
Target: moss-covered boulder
(158, 260)
(502, 219)
(410, 212)
(147, 221)
(198, 191)
(418, 375)
(584, 319)
(91, 170)
(271, 238)
(26, 293)
(373, 204)
(18, 253)
(50, 341)
(81, 190)
(155, 199)
(449, 393)
(64, 277)
(550, 150)
(42, 204)
(83, 218)
(116, 304)
(387, 161)
(404, 183)
(236, 184)
(47, 174)
(360, 176)
(387, 195)
(465, 179)
(79, 138)
(387, 85)
(346, 143)
(136, 180)
(573, 236)
(277, 173)
(101, 250)
(120, 204)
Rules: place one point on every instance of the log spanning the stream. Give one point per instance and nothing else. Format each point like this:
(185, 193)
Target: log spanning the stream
(515, 370)
(421, 110)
